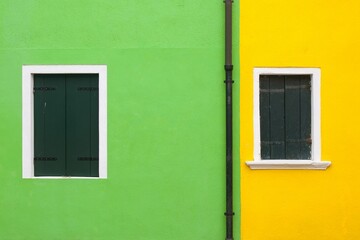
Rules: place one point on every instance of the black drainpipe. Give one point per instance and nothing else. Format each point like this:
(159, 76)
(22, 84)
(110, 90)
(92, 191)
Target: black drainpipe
(228, 82)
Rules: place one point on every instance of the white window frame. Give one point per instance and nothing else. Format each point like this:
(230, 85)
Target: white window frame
(315, 161)
(28, 72)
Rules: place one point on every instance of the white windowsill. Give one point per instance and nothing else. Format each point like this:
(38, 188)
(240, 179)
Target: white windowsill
(288, 164)
(49, 177)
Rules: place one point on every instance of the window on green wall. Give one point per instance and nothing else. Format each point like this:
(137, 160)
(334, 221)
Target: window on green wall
(66, 126)
(67, 123)
(287, 119)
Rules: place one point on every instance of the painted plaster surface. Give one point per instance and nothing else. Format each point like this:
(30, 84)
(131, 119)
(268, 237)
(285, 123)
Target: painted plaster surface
(166, 113)
(304, 204)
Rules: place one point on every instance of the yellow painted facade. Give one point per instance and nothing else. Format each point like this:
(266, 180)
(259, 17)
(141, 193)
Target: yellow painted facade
(304, 204)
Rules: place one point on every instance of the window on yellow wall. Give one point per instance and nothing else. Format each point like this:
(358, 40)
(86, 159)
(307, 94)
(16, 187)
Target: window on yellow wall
(287, 119)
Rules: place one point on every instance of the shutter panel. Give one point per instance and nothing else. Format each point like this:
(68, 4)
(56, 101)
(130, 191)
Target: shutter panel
(49, 125)
(80, 121)
(298, 117)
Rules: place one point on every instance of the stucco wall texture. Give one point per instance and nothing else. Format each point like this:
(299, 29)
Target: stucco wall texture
(166, 119)
(304, 204)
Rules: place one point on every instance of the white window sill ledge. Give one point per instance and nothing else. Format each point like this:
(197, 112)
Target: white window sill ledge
(65, 178)
(288, 164)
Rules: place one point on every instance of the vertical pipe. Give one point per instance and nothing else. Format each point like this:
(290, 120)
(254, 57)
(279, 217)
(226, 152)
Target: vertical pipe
(229, 139)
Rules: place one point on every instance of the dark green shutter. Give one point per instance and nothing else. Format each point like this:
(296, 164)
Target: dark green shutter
(265, 117)
(285, 116)
(66, 129)
(49, 125)
(82, 125)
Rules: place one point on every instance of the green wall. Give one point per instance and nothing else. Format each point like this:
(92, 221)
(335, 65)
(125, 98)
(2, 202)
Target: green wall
(166, 141)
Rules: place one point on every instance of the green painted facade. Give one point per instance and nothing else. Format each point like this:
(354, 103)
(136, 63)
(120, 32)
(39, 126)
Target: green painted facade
(166, 119)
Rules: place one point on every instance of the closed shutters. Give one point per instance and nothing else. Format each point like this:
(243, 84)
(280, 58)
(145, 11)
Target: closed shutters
(66, 125)
(285, 116)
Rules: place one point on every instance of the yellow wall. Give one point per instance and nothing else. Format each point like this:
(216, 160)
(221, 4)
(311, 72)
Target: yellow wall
(304, 204)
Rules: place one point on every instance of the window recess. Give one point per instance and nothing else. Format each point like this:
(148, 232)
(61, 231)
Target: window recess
(285, 116)
(66, 128)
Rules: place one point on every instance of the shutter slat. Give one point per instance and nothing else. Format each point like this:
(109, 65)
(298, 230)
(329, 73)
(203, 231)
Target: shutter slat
(277, 126)
(292, 116)
(265, 117)
(305, 109)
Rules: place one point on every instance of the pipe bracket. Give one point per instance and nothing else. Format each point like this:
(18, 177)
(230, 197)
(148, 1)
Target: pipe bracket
(228, 81)
(229, 214)
(229, 67)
